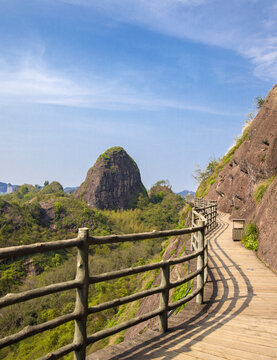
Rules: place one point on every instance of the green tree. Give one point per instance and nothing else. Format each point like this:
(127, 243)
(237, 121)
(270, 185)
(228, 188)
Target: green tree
(259, 101)
(202, 174)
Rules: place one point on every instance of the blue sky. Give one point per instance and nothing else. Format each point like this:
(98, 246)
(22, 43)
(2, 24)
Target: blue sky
(172, 81)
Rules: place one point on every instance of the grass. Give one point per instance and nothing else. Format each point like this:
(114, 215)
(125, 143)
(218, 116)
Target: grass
(261, 189)
(106, 156)
(250, 237)
(179, 293)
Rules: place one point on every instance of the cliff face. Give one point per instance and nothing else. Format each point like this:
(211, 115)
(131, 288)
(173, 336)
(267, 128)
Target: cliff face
(113, 182)
(265, 218)
(252, 163)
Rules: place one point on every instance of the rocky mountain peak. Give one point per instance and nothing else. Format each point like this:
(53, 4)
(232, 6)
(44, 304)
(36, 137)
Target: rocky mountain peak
(113, 182)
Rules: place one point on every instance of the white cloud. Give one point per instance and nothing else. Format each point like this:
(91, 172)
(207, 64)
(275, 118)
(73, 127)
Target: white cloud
(246, 27)
(32, 82)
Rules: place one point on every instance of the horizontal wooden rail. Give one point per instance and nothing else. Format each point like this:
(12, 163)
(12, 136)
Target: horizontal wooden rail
(181, 302)
(15, 251)
(203, 220)
(57, 354)
(186, 279)
(36, 329)
(139, 269)
(123, 326)
(11, 299)
(124, 300)
(110, 239)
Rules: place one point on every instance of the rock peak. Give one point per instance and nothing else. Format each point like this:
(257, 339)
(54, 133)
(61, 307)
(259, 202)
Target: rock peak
(113, 182)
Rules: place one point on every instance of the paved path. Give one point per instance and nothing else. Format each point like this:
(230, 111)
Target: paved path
(238, 320)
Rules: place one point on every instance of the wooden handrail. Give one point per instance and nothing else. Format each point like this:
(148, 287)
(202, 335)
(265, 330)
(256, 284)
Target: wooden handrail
(11, 299)
(110, 239)
(203, 220)
(36, 329)
(15, 251)
(143, 268)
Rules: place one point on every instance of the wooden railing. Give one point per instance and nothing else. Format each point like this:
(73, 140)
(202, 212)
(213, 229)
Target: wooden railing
(203, 219)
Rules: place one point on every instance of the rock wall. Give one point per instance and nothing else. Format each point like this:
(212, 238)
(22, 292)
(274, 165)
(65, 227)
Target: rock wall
(266, 220)
(252, 163)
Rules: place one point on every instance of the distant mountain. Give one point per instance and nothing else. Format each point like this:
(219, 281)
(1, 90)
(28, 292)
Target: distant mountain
(70, 189)
(3, 187)
(7, 188)
(184, 193)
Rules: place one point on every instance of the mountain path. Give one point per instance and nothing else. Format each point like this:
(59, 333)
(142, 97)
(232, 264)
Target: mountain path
(237, 321)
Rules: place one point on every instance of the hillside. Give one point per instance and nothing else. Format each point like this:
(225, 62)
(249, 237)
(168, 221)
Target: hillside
(32, 215)
(244, 182)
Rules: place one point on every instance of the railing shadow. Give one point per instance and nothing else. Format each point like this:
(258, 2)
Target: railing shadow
(209, 318)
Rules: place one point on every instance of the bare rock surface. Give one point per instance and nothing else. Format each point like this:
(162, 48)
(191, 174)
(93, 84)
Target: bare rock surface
(266, 221)
(113, 182)
(252, 163)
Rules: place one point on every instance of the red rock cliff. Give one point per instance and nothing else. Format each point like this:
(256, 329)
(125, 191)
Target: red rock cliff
(252, 163)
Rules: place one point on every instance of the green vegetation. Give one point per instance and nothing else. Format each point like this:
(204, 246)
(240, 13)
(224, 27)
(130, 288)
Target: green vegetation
(116, 149)
(159, 211)
(250, 237)
(107, 155)
(52, 188)
(180, 292)
(46, 217)
(200, 174)
(208, 176)
(185, 216)
(263, 158)
(261, 189)
(37, 215)
(102, 259)
(259, 101)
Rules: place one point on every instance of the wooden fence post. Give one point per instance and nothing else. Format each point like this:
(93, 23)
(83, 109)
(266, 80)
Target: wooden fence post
(200, 262)
(81, 305)
(165, 280)
(214, 216)
(205, 244)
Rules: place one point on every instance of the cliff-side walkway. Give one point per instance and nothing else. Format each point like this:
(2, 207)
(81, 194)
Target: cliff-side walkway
(237, 321)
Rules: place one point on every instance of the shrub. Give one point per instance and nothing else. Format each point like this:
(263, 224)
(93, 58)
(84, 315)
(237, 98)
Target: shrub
(179, 293)
(250, 237)
(59, 209)
(52, 188)
(259, 101)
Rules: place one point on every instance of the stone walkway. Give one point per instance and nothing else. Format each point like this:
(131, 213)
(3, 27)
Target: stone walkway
(237, 321)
